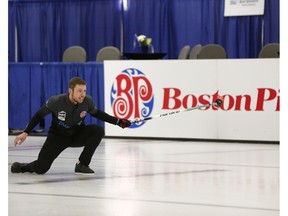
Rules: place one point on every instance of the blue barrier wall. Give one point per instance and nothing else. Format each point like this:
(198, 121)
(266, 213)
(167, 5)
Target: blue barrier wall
(31, 84)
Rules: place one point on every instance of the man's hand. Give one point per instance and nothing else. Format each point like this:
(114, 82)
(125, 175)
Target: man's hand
(123, 123)
(20, 138)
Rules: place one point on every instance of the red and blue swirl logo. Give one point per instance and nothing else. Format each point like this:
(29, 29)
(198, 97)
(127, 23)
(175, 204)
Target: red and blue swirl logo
(132, 96)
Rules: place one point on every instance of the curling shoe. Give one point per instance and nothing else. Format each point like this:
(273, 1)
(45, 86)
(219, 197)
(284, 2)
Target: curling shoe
(18, 167)
(83, 169)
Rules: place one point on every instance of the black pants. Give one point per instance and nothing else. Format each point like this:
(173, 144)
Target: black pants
(89, 136)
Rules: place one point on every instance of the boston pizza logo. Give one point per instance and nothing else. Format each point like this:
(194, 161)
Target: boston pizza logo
(132, 96)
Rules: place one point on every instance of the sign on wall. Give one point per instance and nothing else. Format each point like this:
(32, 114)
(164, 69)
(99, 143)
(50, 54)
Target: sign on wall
(141, 89)
(244, 7)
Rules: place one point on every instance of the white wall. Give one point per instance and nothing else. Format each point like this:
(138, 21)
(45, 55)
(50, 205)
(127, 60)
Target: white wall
(250, 88)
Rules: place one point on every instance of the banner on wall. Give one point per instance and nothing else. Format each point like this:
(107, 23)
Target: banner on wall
(140, 89)
(244, 7)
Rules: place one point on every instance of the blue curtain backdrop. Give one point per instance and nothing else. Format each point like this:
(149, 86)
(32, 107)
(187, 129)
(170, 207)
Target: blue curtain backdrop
(146, 17)
(271, 22)
(45, 28)
(11, 31)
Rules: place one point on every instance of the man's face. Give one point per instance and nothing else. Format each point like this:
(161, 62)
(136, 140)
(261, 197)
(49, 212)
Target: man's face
(77, 94)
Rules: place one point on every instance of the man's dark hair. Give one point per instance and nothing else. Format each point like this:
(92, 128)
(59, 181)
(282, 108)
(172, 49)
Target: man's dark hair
(76, 81)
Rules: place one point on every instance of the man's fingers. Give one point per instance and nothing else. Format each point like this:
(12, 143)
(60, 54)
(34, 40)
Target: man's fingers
(18, 142)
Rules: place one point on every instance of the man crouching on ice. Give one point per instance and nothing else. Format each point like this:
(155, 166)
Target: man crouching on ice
(67, 129)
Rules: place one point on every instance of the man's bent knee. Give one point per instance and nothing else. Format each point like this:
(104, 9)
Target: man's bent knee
(98, 131)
